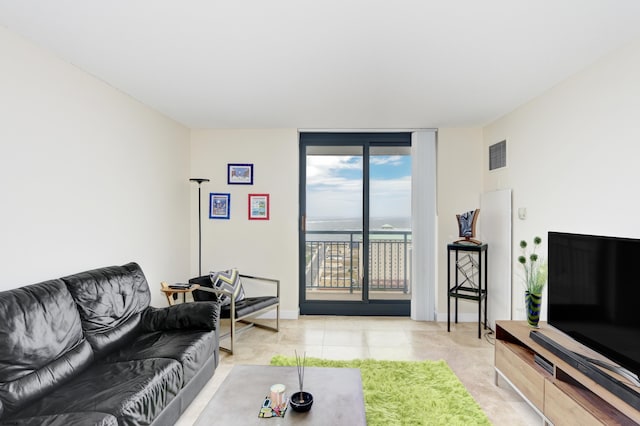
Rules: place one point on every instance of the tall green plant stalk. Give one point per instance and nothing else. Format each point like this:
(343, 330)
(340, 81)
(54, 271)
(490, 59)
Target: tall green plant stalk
(535, 268)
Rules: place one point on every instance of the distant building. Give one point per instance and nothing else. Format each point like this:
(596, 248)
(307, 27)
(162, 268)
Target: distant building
(390, 261)
(338, 264)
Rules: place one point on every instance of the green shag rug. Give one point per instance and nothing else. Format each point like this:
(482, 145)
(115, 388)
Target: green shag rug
(408, 393)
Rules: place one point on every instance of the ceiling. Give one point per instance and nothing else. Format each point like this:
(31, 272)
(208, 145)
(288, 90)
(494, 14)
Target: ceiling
(332, 64)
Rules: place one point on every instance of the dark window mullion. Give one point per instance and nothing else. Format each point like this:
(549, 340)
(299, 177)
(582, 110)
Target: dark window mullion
(365, 221)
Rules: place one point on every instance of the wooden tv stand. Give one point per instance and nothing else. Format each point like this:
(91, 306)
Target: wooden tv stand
(563, 395)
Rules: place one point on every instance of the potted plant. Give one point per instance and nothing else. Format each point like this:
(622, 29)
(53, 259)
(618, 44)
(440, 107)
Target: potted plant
(535, 278)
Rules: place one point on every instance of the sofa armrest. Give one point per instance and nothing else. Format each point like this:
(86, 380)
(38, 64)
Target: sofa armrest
(194, 316)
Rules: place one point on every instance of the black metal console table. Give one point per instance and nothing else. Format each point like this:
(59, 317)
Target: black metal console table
(470, 281)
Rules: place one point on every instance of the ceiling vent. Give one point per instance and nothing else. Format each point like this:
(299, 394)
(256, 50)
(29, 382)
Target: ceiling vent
(498, 155)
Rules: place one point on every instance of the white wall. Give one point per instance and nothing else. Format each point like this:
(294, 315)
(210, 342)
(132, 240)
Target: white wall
(271, 248)
(88, 176)
(256, 247)
(572, 156)
(459, 187)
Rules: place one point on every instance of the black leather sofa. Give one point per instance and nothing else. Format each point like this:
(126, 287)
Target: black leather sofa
(88, 349)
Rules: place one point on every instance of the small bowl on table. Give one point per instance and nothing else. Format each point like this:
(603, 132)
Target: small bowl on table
(301, 401)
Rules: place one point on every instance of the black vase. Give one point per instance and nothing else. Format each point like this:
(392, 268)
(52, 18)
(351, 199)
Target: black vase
(301, 401)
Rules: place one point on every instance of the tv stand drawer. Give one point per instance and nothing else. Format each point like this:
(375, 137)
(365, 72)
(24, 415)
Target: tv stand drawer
(516, 363)
(561, 409)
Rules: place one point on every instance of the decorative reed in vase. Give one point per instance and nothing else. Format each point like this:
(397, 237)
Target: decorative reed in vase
(301, 400)
(300, 366)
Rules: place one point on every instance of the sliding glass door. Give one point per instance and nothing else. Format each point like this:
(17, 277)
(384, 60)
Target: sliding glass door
(389, 223)
(333, 223)
(355, 219)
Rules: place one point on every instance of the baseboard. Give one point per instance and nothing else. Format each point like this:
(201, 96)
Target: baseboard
(440, 317)
(462, 317)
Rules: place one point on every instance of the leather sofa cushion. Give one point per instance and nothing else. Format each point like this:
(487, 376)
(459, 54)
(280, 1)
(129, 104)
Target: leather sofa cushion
(191, 348)
(248, 306)
(42, 344)
(67, 419)
(110, 301)
(134, 392)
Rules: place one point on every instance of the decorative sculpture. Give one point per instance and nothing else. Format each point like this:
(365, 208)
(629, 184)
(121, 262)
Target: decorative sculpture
(467, 227)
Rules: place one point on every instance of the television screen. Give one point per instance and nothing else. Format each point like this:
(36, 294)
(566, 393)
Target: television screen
(594, 293)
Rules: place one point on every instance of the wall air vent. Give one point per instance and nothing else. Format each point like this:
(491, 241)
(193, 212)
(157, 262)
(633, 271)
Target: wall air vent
(498, 155)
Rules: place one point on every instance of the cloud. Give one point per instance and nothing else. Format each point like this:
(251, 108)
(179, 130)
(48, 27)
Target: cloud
(378, 160)
(325, 169)
(334, 188)
(390, 197)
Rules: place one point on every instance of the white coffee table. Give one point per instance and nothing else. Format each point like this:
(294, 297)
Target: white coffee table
(337, 397)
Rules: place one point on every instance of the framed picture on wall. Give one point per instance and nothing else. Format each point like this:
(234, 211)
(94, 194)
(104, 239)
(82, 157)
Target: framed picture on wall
(219, 206)
(240, 174)
(258, 206)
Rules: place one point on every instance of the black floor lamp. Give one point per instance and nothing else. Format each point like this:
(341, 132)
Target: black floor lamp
(199, 180)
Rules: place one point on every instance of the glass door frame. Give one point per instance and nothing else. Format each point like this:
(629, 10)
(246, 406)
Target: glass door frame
(346, 307)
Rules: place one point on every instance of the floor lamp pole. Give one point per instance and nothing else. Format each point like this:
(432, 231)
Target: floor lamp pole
(199, 180)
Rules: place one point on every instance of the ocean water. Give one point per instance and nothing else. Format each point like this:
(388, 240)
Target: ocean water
(355, 224)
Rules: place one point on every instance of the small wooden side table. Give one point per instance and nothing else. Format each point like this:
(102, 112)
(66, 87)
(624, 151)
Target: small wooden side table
(169, 292)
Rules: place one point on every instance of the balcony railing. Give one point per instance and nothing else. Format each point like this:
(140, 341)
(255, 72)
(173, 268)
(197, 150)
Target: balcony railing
(334, 260)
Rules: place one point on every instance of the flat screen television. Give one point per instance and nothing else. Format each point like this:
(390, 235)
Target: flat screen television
(594, 293)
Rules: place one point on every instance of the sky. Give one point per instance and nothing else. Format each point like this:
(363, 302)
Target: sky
(334, 186)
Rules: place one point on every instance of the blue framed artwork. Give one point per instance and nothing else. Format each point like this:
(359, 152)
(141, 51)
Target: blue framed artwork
(219, 205)
(240, 174)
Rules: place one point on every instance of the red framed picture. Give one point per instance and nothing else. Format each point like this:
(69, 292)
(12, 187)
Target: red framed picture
(258, 206)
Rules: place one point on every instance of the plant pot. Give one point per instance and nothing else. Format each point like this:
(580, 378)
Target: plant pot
(301, 401)
(532, 303)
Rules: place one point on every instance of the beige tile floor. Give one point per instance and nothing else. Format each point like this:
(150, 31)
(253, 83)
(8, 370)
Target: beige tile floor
(386, 338)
